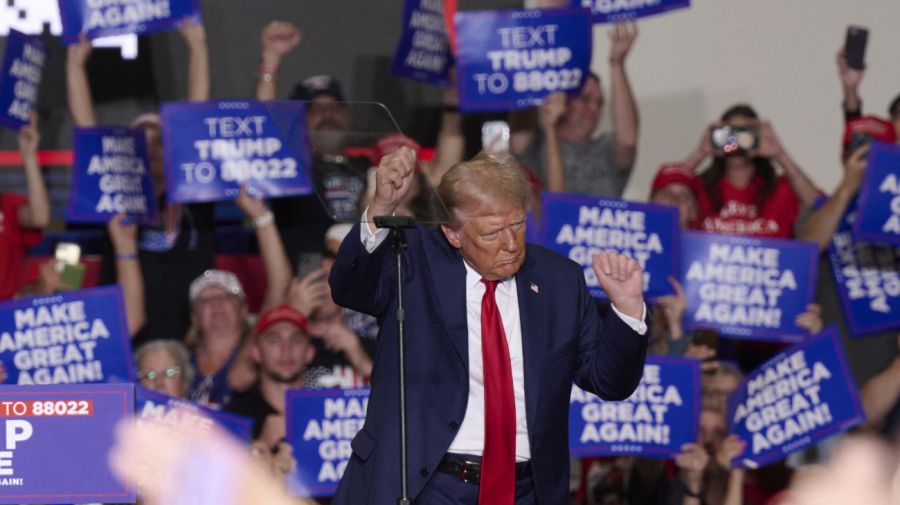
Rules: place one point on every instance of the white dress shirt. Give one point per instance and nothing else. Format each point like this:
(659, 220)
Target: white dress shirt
(470, 437)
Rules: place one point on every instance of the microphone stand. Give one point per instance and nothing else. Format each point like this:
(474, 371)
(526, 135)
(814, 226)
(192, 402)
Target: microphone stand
(398, 243)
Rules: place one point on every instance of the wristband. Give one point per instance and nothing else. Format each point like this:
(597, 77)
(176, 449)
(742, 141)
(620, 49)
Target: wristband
(263, 220)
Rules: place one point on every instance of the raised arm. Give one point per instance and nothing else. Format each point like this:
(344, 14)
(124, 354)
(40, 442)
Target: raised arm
(549, 113)
(770, 147)
(278, 39)
(880, 393)
(194, 35)
(36, 213)
(625, 111)
(850, 80)
(275, 261)
(128, 271)
(822, 224)
(81, 105)
(451, 144)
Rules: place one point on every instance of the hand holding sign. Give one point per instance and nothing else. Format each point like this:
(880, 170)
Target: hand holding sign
(621, 38)
(692, 461)
(551, 110)
(623, 280)
(855, 168)
(393, 181)
(731, 448)
(192, 32)
(29, 138)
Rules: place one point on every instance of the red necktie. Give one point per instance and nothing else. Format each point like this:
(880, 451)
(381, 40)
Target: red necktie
(498, 461)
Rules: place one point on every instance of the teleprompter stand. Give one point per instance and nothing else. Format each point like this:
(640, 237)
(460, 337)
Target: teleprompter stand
(397, 224)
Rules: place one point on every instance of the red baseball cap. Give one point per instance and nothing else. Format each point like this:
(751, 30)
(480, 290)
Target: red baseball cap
(671, 173)
(872, 127)
(390, 143)
(278, 314)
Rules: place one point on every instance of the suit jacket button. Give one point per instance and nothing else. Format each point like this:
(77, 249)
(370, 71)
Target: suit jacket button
(424, 472)
(454, 425)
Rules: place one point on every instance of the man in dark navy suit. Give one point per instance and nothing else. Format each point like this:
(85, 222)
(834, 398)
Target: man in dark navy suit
(496, 333)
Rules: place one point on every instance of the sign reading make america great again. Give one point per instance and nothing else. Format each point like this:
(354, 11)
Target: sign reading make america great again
(579, 226)
(105, 18)
(801, 396)
(748, 287)
(20, 78)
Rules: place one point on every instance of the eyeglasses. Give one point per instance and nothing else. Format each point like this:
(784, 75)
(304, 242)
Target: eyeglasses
(168, 373)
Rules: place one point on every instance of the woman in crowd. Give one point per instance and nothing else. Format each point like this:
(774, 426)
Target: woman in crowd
(165, 366)
(742, 192)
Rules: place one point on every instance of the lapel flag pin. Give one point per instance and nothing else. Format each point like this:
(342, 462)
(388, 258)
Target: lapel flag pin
(534, 287)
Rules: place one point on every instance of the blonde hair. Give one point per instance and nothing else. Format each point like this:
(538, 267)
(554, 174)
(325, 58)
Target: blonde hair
(482, 185)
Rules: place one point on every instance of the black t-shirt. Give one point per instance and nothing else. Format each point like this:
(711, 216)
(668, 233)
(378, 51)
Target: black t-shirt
(251, 404)
(303, 220)
(169, 263)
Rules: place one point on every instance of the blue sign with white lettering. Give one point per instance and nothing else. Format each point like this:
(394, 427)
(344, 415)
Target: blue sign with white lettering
(655, 421)
(747, 287)
(105, 18)
(801, 396)
(579, 226)
(509, 60)
(110, 175)
(878, 217)
(424, 52)
(165, 409)
(611, 11)
(20, 78)
(57, 441)
(211, 148)
(72, 337)
(867, 276)
(321, 423)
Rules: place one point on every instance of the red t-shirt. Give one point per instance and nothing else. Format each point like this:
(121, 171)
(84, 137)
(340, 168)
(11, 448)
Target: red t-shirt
(14, 242)
(740, 215)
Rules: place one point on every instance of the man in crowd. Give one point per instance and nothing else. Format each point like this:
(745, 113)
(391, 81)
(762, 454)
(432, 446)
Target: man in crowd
(339, 180)
(495, 323)
(559, 144)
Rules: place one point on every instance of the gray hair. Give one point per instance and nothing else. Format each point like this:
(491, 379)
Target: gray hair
(482, 185)
(175, 349)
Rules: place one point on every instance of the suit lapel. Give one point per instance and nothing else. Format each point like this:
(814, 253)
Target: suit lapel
(531, 315)
(449, 276)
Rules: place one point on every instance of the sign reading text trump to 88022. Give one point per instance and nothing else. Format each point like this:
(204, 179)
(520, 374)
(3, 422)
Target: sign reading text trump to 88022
(321, 423)
(212, 148)
(508, 60)
(659, 417)
(56, 441)
(611, 11)
(747, 287)
(578, 227)
(67, 338)
(20, 78)
(801, 396)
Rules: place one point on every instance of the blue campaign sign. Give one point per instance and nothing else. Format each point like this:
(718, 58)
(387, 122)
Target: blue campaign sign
(158, 407)
(321, 423)
(878, 217)
(105, 18)
(747, 287)
(20, 78)
(660, 416)
(67, 338)
(57, 440)
(424, 52)
(867, 279)
(110, 175)
(532, 228)
(508, 60)
(804, 394)
(211, 148)
(611, 11)
(578, 226)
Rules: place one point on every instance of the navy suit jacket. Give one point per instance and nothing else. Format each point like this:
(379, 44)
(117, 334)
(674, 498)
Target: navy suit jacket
(563, 339)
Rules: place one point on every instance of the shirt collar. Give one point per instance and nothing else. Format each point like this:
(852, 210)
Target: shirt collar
(473, 278)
